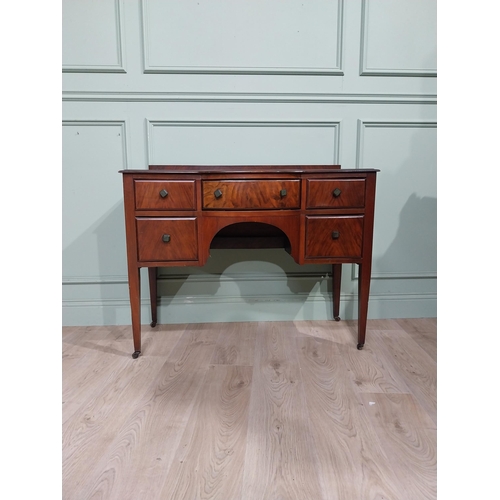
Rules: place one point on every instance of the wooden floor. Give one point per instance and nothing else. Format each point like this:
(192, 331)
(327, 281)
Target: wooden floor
(251, 411)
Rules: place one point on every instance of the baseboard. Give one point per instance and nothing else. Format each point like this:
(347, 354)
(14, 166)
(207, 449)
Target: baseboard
(295, 307)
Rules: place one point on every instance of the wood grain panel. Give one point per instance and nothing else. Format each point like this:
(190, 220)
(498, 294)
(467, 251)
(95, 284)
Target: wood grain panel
(424, 332)
(88, 347)
(280, 461)
(180, 195)
(211, 455)
(408, 436)
(371, 372)
(321, 193)
(145, 444)
(319, 240)
(336, 331)
(235, 345)
(415, 366)
(351, 462)
(258, 194)
(301, 423)
(93, 426)
(182, 243)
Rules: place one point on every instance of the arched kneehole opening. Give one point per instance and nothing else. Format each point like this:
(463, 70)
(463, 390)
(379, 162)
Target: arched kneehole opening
(251, 235)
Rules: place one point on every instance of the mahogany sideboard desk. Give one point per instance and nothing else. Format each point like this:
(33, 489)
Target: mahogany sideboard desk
(320, 214)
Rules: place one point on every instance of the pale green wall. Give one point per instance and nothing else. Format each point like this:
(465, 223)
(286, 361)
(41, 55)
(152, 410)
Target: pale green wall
(239, 82)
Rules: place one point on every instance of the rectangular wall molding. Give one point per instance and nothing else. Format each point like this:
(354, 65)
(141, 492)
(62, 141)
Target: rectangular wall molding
(364, 124)
(334, 70)
(155, 124)
(104, 123)
(366, 70)
(118, 67)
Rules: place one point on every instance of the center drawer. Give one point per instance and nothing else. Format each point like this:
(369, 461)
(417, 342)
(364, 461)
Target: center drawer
(251, 194)
(167, 239)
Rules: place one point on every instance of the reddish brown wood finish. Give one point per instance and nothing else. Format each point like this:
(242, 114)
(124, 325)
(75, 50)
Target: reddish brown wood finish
(161, 239)
(165, 195)
(319, 213)
(338, 193)
(334, 236)
(251, 194)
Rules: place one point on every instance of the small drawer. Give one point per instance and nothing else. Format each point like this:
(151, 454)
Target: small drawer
(161, 239)
(251, 194)
(165, 195)
(328, 193)
(334, 236)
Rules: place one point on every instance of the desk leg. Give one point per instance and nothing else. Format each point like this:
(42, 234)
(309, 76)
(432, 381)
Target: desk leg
(134, 285)
(153, 293)
(336, 280)
(363, 295)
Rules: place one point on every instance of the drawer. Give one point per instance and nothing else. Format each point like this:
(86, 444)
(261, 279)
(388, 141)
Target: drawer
(334, 236)
(162, 239)
(165, 195)
(329, 193)
(251, 194)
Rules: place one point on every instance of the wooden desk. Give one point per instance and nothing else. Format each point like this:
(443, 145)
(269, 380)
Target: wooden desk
(319, 214)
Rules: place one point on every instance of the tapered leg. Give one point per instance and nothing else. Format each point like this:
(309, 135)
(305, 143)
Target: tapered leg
(134, 285)
(363, 295)
(153, 293)
(336, 280)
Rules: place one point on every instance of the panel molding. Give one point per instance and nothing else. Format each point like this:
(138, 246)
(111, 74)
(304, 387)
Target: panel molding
(362, 126)
(196, 309)
(105, 68)
(336, 70)
(201, 278)
(299, 97)
(95, 280)
(391, 72)
(151, 124)
(393, 275)
(104, 123)
(173, 300)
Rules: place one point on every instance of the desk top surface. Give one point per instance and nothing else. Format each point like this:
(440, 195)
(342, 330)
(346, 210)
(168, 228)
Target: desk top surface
(250, 169)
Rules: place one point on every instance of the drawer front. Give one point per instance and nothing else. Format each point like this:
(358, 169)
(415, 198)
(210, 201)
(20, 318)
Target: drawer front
(251, 195)
(165, 195)
(334, 236)
(161, 239)
(328, 193)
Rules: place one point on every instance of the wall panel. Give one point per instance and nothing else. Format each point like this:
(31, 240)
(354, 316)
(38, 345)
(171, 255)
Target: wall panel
(92, 203)
(235, 37)
(92, 36)
(399, 38)
(250, 142)
(405, 237)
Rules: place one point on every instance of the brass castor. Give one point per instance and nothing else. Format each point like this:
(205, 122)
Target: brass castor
(136, 354)
(360, 346)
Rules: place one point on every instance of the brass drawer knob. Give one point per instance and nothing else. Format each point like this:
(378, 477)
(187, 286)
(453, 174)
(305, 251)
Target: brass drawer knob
(283, 193)
(336, 192)
(165, 238)
(218, 193)
(163, 193)
(335, 235)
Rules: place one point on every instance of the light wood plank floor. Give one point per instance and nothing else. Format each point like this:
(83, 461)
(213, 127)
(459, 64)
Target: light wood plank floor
(251, 411)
